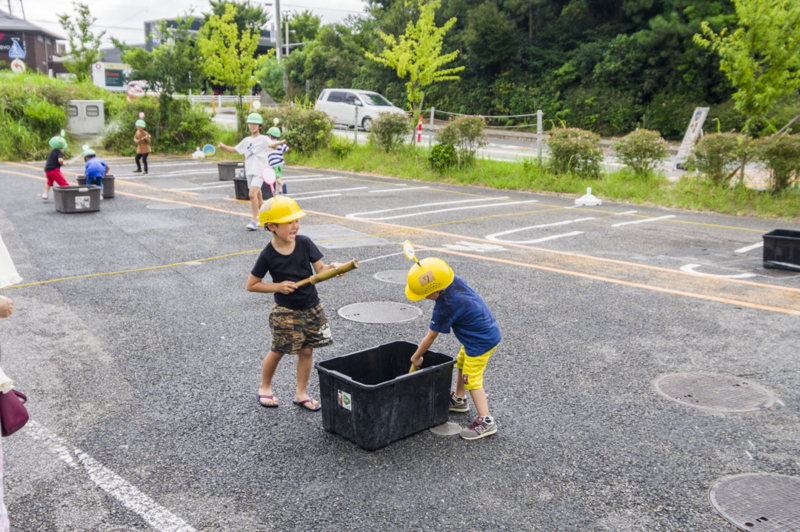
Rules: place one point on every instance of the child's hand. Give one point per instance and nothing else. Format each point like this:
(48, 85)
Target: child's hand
(287, 287)
(417, 360)
(6, 307)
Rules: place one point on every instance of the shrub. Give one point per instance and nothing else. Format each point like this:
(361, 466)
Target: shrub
(305, 130)
(781, 156)
(465, 134)
(575, 150)
(442, 157)
(43, 115)
(388, 130)
(641, 151)
(341, 147)
(716, 155)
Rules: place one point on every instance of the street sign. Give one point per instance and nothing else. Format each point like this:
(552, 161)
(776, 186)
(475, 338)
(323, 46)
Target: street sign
(17, 66)
(16, 51)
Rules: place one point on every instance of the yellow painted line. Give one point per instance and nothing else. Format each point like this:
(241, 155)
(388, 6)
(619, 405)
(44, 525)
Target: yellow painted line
(632, 265)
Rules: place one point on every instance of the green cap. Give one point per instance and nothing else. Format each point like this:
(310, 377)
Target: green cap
(255, 118)
(140, 123)
(89, 153)
(274, 132)
(58, 143)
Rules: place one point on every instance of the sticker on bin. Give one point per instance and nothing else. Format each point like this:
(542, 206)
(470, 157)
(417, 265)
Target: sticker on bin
(238, 172)
(345, 401)
(82, 202)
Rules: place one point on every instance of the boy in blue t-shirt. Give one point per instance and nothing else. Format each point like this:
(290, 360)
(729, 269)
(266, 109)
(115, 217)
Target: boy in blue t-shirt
(460, 308)
(95, 169)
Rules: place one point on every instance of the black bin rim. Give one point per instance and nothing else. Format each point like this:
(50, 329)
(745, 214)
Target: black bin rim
(332, 373)
(790, 234)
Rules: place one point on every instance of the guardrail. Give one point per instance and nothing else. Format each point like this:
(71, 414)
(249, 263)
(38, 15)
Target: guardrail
(218, 99)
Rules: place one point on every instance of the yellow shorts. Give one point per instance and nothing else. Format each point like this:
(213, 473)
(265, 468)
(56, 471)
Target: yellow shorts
(472, 368)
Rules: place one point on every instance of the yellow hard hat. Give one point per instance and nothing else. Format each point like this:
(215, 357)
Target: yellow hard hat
(279, 210)
(426, 277)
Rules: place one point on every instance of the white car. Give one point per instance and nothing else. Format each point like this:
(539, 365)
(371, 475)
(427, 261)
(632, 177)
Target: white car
(340, 105)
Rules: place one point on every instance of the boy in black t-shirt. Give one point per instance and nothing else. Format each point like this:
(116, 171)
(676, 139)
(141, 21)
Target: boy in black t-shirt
(52, 167)
(297, 321)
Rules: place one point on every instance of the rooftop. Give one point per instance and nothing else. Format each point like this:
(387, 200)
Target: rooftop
(10, 23)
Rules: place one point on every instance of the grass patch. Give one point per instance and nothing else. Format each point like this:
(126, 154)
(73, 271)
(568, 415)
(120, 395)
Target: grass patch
(689, 193)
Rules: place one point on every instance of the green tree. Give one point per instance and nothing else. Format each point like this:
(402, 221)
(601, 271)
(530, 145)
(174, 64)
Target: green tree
(247, 17)
(418, 53)
(761, 57)
(305, 25)
(83, 44)
(227, 56)
(489, 37)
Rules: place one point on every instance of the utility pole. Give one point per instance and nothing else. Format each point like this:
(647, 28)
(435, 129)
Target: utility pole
(286, 18)
(278, 43)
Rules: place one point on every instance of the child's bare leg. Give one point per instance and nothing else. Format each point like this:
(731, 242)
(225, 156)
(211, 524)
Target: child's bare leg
(461, 390)
(278, 185)
(46, 189)
(481, 404)
(267, 372)
(304, 364)
(255, 202)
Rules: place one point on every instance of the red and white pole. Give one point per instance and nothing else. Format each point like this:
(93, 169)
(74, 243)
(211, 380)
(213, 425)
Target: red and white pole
(419, 131)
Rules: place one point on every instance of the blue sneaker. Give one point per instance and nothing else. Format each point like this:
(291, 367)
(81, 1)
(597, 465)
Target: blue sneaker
(252, 226)
(284, 188)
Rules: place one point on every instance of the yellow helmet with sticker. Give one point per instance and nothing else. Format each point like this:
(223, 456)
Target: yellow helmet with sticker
(279, 210)
(426, 277)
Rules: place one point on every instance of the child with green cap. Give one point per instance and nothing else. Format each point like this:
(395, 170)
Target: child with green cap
(142, 141)
(52, 167)
(275, 158)
(256, 149)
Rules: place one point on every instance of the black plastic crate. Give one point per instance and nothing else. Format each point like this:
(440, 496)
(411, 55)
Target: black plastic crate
(229, 170)
(370, 398)
(782, 249)
(108, 185)
(242, 191)
(77, 199)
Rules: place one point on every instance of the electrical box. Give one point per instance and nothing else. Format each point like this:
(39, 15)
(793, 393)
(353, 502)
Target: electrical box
(86, 117)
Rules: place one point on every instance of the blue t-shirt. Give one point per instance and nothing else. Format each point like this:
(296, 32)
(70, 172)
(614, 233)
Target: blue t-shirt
(95, 168)
(463, 310)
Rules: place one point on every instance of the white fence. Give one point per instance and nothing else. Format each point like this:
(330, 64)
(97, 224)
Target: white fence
(218, 99)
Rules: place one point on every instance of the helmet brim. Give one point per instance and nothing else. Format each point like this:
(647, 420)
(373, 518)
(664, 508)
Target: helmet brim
(414, 297)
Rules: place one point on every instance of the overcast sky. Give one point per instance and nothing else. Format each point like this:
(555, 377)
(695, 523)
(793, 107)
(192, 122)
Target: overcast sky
(124, 19)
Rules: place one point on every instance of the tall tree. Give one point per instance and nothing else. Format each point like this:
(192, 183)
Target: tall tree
(761, 57)
(418, 53)
(247, 17)
(83, 44)
(228, 56)
(305, 25)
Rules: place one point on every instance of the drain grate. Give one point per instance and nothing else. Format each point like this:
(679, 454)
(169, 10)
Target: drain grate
(715, 392)
(168, 206)
(380, 312)
(392, 276)
(762, 502)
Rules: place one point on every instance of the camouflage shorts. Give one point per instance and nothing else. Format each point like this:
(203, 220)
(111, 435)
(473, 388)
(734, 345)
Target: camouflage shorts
(292, 330)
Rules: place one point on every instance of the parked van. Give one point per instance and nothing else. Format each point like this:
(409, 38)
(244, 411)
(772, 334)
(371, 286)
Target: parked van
(340, 105)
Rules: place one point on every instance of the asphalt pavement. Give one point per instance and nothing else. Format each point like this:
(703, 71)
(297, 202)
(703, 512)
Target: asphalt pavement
(140, 351)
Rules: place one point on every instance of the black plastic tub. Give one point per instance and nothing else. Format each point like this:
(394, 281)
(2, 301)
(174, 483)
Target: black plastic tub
(228, 170)
(370, 398)
(108, 185)
(77, 199)
(242, 191)
(782, 249)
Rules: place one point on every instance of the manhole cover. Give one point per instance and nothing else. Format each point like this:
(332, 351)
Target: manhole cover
(168, 206)
(446, 429)
(380, 312)
(715, 392)
(758, 501)
(392, 276)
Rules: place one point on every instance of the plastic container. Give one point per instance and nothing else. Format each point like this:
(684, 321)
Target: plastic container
(77, 199)
(229, 170)
(243, 191)
(370, 398)
(782, 249)
(108, 185)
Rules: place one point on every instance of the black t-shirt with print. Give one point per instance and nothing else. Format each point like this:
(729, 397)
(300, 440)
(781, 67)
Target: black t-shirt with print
(52, 160)
(293, 267)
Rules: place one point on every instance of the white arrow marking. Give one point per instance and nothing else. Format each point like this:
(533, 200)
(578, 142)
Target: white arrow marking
(496, 235)
(689, 268)
(644, 221)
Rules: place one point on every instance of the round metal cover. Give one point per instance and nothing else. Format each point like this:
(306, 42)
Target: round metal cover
(762, 502)
(446, 429)
(715, 392)
(168, 206)
(392, 276)
(380, 312)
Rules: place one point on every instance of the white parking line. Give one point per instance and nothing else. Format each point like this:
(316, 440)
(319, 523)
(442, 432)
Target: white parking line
(644, 221)
(317, 197)
(749, 248)
(290, 179)
(689, 268)
(496, 235)
(553, 237)
(158, 517)
(206, 187)
(321, 191)
(626, 212)
(398, 189)
(426, 213)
